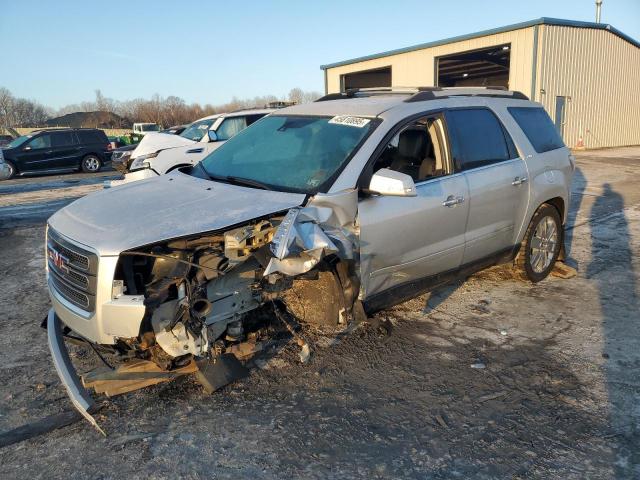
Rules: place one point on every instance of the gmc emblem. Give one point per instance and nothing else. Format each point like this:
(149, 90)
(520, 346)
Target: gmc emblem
(61, 262)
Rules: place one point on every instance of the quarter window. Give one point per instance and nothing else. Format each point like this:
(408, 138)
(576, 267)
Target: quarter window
(538, 127)
(477, 139)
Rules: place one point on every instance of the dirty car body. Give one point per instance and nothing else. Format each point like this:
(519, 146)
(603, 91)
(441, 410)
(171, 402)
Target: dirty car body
(328, 211)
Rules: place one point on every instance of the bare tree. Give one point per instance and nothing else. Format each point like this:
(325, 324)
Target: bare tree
(296, 95)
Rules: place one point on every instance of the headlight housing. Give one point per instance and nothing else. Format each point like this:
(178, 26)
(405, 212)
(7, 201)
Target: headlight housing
(142, 161)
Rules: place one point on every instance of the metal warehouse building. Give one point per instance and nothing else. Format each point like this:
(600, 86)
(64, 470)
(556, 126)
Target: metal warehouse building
(587, 75)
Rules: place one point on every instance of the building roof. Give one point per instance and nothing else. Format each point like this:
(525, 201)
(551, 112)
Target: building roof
(493, 31)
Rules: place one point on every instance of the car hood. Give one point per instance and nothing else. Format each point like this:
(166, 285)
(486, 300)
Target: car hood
(161, 208)
(155, 141)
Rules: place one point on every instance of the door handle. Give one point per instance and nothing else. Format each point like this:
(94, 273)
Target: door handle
(452, 201)
(519, 181)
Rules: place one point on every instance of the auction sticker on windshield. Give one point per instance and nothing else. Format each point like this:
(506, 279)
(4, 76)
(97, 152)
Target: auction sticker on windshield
(350, 121)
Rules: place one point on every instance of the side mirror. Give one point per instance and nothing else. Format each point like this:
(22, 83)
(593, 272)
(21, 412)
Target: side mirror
(213, 136)
(391, 183)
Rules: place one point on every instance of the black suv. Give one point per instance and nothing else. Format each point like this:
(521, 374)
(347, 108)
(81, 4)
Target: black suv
(51, 151)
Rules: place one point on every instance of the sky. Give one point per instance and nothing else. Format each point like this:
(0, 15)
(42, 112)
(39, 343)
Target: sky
(59, 52)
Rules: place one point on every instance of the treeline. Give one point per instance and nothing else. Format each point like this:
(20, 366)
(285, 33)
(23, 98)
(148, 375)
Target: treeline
(18, 112)
(165, 111)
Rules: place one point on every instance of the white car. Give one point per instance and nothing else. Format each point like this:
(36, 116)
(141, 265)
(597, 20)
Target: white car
(160, 153)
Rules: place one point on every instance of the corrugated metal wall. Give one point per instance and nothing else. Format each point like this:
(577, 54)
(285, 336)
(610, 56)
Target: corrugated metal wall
(600, 72)
(417, 68)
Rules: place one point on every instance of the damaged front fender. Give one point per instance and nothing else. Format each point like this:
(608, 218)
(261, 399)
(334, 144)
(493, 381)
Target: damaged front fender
(326, 226)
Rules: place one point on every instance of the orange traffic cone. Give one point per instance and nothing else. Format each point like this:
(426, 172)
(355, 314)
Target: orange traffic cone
(580, 143)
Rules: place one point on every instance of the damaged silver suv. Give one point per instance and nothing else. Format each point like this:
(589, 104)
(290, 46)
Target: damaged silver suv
(325, 212)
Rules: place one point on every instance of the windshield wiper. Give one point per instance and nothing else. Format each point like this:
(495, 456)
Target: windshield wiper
(247, 181)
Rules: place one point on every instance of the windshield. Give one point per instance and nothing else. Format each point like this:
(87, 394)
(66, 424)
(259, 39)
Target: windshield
(289, 153)
(150, 128)
(16, 142)
(197, 130)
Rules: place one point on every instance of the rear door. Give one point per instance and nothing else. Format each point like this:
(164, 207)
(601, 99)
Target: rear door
(65, 150)
(496, 178)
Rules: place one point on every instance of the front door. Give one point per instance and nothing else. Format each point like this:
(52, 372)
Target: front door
(36, 154)
(497, 178)
(403, 239)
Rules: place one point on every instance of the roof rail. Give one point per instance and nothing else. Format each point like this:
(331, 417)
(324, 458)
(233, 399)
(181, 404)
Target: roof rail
(436, 93)
(421, 94)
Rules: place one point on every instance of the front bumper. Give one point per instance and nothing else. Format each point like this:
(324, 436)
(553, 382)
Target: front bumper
(80, 397)
(142, 174)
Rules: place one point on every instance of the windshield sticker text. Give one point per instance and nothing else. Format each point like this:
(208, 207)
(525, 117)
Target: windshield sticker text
(350, 121)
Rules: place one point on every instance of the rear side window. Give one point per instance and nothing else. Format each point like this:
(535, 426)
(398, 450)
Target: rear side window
(92, 136)
(62, 139)
(477, 139)
(538, 127)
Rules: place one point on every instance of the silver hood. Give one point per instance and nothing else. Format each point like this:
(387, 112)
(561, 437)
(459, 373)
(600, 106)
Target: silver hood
(162, 208)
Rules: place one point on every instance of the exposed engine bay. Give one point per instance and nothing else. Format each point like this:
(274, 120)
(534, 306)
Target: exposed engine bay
(212, 300)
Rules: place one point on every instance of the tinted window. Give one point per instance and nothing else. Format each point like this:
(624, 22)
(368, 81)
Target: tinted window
(538, 127)
(43, 141)
(254, 118)
(62, 139)
(92, 136)
(477, 138)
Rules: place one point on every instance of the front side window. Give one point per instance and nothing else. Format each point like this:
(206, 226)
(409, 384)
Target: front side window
(477, 138)
(197, 130)
(43, 141)
(230, 127)
(418, 150)
(290, 153)
(538, 128)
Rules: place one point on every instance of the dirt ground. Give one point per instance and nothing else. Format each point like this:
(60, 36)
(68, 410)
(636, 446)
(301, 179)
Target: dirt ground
(488, 378)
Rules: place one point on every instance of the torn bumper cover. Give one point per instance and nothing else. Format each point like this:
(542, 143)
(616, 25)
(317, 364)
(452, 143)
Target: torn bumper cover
(79, 396)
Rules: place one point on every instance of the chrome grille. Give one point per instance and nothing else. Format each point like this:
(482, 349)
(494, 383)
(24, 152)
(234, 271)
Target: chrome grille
(72, 271)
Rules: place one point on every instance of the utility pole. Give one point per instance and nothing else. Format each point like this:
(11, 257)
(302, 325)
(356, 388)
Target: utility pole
(598, 10)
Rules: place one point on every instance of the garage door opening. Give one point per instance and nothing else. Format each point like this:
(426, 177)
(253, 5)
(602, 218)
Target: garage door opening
(376, 78)
(477, 68)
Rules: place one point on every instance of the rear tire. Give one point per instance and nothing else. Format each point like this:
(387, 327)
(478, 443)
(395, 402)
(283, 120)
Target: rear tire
(541, 245)
(91, 164)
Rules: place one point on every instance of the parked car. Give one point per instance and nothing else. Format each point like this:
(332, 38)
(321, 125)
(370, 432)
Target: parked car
(121, 158)
(59, 150)
(5, 140)
(322, 213)
(139, 130)
(158, 154)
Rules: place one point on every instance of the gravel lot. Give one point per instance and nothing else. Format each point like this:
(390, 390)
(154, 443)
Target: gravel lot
(558, 397)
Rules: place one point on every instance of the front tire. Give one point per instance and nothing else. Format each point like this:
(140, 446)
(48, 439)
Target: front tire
(12, 170)
(91, 164)
(541, 245)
